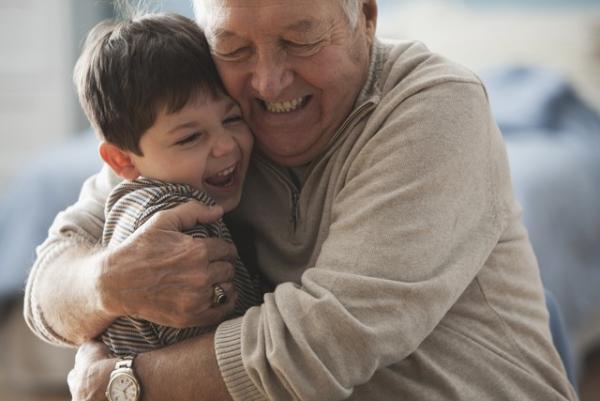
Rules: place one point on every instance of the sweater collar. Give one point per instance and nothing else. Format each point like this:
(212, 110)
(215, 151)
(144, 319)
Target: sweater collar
(371, 87)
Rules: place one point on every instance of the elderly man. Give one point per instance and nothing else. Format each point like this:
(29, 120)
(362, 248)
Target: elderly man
(378, 204)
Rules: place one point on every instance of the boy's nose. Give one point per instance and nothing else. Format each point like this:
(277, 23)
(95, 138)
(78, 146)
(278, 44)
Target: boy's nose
(223, 145)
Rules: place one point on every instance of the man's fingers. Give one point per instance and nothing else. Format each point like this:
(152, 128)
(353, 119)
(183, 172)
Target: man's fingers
(218, 313)
(230, 292)
(87, 380)
(91, 351)
(221, 272)
(208, 313)
(216, 249)
(185, 216)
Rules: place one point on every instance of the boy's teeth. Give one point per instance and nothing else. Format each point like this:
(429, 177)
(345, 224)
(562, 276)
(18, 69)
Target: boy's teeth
(284, 107)
(223, 178)
(226, 172)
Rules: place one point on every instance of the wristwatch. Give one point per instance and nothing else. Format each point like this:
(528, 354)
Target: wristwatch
(123, 385)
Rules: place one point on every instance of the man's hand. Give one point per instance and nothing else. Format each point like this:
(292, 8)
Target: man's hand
(166, 277)
(184, 371)
(89, 378)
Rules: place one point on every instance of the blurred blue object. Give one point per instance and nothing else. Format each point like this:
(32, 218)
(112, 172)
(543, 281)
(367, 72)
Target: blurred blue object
(35, 196)
(529, 100)
(553, 143)
(559, 337)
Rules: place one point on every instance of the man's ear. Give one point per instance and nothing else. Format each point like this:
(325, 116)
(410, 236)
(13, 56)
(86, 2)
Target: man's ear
(119, 160)
(369, 12)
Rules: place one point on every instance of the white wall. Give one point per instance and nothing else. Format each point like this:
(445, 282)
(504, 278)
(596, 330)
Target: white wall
(35, 107)
(566, 39)
(39, 43)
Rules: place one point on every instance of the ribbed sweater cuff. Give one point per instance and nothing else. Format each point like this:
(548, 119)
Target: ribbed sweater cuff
(228, 348)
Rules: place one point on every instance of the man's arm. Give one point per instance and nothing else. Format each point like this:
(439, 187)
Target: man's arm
(75, 290)
(170, 373)
(59, 290)
(407, 239)
(53, 307)
(420, 209)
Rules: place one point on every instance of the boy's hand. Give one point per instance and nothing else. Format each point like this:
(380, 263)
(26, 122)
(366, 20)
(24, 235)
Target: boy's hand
(167, 277)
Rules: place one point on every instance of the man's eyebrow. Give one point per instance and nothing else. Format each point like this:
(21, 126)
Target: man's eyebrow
(303, 26)
(222, 34)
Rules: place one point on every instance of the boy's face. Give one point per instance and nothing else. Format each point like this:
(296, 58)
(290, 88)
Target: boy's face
(206, 145)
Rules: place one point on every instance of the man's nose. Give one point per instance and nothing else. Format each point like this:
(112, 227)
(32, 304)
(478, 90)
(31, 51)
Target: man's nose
(223, 145)
(271, 75)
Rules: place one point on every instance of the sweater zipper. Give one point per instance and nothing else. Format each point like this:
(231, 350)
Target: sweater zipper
(295, 211)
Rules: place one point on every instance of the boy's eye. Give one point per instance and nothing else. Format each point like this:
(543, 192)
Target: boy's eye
(232, 119)
(188, 139)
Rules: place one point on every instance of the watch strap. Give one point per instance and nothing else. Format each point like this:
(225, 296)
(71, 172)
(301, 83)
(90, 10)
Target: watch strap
(124, 363)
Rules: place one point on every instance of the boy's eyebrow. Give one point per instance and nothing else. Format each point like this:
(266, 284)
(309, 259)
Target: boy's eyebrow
(188, 124)
(230, 105)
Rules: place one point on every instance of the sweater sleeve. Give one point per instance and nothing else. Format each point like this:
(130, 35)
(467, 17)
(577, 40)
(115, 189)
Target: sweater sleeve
(79, 226)
(417, 216)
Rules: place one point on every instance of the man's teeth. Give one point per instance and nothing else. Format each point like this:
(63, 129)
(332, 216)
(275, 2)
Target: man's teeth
(225, 172)
(284, 107)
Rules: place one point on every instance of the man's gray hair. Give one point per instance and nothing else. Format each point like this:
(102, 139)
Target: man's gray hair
(351, 9)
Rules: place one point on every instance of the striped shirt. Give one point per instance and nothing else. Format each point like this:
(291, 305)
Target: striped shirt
(129, 205)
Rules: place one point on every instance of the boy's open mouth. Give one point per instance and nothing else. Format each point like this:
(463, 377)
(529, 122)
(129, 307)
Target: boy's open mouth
(224, 178)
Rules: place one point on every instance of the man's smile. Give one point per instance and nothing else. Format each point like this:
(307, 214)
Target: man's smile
(285, 106)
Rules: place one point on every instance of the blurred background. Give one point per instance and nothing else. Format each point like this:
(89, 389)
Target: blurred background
(540, 60)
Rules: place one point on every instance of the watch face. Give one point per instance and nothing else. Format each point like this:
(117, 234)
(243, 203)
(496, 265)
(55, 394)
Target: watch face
(123, 388)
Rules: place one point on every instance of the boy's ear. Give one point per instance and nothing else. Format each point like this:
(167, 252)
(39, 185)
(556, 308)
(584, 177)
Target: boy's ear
(119, 160)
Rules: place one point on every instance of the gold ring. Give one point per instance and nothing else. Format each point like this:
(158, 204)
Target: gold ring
(219, 296)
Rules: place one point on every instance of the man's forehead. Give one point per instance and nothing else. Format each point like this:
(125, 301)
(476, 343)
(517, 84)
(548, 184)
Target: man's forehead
(213, 15)
(247, 3)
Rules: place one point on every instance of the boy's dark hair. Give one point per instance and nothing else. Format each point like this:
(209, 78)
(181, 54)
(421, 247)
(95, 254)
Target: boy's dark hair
(131, 70)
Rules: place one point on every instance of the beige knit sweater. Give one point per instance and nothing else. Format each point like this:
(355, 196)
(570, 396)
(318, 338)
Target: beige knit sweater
(403, 270)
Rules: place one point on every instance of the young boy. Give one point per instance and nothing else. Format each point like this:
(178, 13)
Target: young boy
(150, 89)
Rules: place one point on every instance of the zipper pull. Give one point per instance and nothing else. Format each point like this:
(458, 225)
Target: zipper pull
(295, 198)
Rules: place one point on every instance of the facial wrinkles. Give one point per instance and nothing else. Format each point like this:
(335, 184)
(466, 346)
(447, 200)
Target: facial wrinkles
(331, 92)
(212, 17)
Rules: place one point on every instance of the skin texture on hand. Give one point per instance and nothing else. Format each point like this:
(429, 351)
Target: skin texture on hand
(170, 373)
(167, 277)
(159, 274)
(89, 377)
